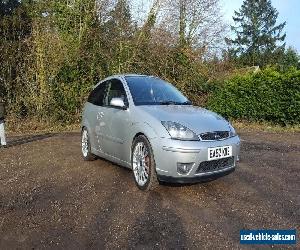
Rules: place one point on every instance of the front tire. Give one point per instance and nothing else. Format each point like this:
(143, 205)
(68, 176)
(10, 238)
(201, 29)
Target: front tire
(86, 146)
(143, 164)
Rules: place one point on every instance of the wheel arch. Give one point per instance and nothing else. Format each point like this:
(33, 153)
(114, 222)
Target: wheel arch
(143, 128)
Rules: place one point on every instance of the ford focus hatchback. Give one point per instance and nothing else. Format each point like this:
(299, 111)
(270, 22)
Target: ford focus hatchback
(146, 124)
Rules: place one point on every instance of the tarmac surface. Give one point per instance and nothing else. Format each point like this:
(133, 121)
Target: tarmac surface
(51, 198)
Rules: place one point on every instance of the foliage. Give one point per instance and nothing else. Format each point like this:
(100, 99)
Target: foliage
(290, 59)
(53, 52)
(258, 40)
(268, 95)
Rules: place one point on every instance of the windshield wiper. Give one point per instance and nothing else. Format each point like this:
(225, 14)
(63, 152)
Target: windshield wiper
(168, 103)
(186, 103)
(175, 103)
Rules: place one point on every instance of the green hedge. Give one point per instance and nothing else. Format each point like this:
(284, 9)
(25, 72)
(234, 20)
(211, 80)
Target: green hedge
(265, 96)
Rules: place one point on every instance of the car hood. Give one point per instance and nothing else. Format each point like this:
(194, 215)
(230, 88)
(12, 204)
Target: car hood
(197, 119)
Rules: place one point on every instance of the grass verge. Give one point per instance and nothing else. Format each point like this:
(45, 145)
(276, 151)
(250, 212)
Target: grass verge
(34, 126)
(246, 126)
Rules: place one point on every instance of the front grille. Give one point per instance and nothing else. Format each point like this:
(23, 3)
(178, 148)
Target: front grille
(209, 166)
(214, 136)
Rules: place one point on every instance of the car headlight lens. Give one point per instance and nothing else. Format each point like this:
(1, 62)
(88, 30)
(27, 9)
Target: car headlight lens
(179, 132)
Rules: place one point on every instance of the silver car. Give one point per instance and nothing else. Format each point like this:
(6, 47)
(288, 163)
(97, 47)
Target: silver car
(145, 124)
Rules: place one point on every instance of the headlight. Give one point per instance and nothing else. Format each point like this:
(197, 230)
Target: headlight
(179, 132)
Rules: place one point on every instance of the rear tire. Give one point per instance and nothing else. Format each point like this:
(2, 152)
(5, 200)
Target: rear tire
(143, 164)
(86, 146)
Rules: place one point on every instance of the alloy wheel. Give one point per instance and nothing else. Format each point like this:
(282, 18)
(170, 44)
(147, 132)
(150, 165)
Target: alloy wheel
(141, 163)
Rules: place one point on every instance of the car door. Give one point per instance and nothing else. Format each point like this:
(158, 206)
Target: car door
(116, 121)
(96, 114)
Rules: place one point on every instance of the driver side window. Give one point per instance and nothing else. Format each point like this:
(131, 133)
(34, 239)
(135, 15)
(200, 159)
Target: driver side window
(115, 90)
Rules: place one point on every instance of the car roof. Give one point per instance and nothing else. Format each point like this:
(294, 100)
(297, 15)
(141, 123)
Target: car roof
(122, 76)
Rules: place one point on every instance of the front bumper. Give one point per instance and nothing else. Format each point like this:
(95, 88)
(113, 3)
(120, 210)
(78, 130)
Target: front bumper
(196, 179)
(175, 151)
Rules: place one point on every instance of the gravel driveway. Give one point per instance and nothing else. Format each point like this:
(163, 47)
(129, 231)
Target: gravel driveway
(51, 198)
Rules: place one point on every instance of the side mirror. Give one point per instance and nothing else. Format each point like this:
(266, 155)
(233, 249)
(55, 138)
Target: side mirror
(118, 102)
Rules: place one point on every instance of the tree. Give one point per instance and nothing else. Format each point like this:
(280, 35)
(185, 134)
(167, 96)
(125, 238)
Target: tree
(7, 7)
(118, 32)
(53, 52)
(258, 40)
(198, 23)
(196, 33)
(15, 28)
(290, 59)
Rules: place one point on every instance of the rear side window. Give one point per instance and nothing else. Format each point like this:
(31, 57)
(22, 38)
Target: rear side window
(97, 95)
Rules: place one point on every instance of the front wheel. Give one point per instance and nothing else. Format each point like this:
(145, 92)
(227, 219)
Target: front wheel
(86, 146)
(143, 164)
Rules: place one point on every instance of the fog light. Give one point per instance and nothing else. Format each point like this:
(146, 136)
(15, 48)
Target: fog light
(184, 168)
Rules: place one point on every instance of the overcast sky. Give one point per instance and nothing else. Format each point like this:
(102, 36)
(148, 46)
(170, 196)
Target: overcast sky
(289, 11)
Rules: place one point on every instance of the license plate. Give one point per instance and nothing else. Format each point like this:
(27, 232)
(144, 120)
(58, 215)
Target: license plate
(219, 152)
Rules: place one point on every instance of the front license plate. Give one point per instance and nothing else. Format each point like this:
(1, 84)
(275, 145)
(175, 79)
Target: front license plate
(219, 152)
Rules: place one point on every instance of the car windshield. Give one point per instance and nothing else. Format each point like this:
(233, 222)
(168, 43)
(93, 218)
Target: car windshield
(147, 90)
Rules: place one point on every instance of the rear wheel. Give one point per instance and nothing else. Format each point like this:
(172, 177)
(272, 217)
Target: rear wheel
(86, 146)
(143, 164)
